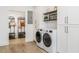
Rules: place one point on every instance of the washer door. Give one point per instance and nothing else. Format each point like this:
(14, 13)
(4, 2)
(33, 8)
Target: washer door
(47, 40)
(38, 36)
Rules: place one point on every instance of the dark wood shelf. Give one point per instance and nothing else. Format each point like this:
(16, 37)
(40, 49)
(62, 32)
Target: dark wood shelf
(50, 12)
(50, 20)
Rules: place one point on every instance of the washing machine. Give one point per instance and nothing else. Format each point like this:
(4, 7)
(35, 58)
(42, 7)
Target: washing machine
(39, 38)
(49, 40)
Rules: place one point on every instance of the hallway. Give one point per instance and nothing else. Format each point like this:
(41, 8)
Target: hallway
(20, 46)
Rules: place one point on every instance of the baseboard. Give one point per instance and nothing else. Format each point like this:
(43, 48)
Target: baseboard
(4, 44)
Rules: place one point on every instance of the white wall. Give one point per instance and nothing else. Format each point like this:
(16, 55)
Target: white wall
(39, 17)
(29, 27)
(4, 26)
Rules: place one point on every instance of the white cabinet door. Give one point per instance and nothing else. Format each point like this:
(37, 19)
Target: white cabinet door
(62, 38)
(73, 15)
(61, 15)
(73, 38)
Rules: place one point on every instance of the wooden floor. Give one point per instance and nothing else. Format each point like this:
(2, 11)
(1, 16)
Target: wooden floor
(20, 46)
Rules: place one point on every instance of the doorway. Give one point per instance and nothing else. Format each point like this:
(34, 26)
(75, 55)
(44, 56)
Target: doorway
(16, 26)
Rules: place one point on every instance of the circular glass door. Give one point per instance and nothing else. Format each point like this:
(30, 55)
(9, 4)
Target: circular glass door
(47, 40)
(38, 36)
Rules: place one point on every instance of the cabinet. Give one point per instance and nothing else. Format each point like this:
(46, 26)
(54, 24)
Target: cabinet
(61, 15)
(62, 38)
(73, 15)
(68, 29)
(73, 38)
(68, 38)
(68, 15)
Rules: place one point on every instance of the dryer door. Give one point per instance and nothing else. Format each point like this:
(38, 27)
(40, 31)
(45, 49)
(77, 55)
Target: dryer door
(38, 36)
(47, 40)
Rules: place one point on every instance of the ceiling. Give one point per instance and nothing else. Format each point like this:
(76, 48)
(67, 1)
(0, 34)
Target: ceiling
(20, 8)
